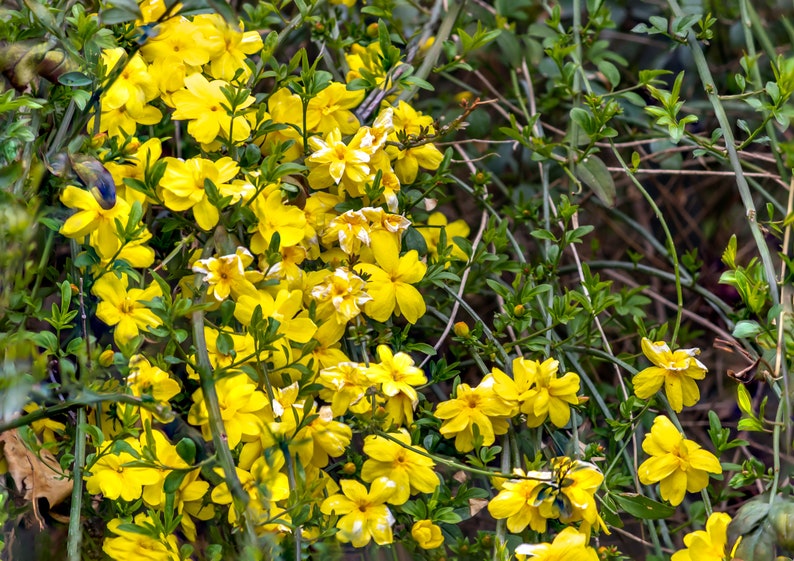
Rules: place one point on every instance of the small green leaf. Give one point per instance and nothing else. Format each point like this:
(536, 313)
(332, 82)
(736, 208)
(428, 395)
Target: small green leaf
(746, 328)
(75, 79)
(412, 239)
(186, 449)
(744, 401)
(610, 71)
(642, 507)
(173, 481)
(594, 173)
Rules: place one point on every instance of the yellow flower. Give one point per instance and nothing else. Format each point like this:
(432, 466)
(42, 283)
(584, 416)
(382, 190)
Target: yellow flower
(680, 464)
(285, 109)
(333, 162)
(265, 485)
(91, 218)
(111, 476)
(286, 308)
(411, 471)
(146, 543)
(397, 377)
(151, 11)
(183, 186)
(273, 216)
(370, 59)
(330, 438)
(203, 104)
(242, 347)
(407, 162)
(390, 284)
(677, 370)
(518, 502)
(427, 534)
(568, 545)
(167, 457)
(708, 544)
(226, 275)
(364, 514)
(472, 407)
(177, 50)
(141, 157)
(145, 379)
(124, 103)
(45, 427)
(341, 295)
(432, 235)
(125, 307)
(227, 46)
(242, 406)
(350, 229)
(344, 384)
(570, 497)
(330, 109)
(549, 396)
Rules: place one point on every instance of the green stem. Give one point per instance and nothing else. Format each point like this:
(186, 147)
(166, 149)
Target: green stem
(75, 526)
(204, 367)
(751, 23)
(293, 485)
(747, 199)
(453, 464)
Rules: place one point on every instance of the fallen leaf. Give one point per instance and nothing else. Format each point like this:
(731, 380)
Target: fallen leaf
(36, 476)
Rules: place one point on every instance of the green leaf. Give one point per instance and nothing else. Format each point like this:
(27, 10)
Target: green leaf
(75, 79)
(173, 481)
(610, 71)
(186, 449)
(593, 172)
(642, 507)
(412, 239)
(46, 340)
(112, 16)
(751, 523)
(744, 401)
(746, 328)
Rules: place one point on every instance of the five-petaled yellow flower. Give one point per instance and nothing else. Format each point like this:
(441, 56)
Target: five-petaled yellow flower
(537, 391)
(472, 407)
(679, 464)
(364, 514)
(92, 219)
(124, 307)
(397, 377)
(708, 544)
(207, 110)
(140, 544)
(677, 370)
(400, 462)
(568, 545)
(116, 475)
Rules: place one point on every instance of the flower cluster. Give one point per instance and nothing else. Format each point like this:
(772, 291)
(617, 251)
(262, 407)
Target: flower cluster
(264, 277)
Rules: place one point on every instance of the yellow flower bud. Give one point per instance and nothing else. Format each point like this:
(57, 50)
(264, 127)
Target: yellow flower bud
(426, 44)
(466, 96)
(106, 358)
(349, 468)
(427, 534)
(461, 329)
